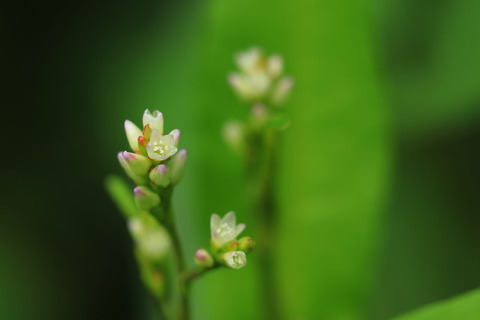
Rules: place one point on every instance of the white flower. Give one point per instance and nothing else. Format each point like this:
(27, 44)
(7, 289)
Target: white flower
(258, 74)
(154, 120)
(161, 147)
(249, 61)
(235, 259)
(224, 230)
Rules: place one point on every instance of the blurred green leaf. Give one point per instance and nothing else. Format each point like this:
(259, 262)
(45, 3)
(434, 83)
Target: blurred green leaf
(434, 63)
(121, 194)
(464, 307)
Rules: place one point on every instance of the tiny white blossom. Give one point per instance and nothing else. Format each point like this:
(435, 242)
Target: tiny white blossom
(225, 229)
(235, 259)
(154, 120)
(249, 61)
(161, 147)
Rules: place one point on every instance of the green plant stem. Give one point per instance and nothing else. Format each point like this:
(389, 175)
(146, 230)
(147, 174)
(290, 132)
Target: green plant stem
(261, 171)
(183, 301)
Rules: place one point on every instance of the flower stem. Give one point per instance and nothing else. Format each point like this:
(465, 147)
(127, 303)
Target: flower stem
(183, 299)
(261, 171)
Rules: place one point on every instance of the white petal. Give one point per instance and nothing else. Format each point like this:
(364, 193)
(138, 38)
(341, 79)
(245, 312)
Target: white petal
(214, 222)
(154, 120)
(175, 133)
(133, 132)
(239, 229)
(156, 135)
(229, 219)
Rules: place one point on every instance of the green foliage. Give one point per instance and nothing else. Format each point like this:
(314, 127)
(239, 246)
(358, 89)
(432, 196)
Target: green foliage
(465, 307)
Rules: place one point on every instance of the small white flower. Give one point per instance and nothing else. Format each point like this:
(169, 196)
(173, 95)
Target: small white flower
(250, 61)
(225, 229)
(161, 147)
(235, 259)
(154, 120)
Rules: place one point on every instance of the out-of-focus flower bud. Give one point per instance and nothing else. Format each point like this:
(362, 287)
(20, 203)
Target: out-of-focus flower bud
(154, 120)
(203, 259)
(152, 239)
(234, 134)
(235, 259)
(282, 90)
(177, 166)
(133, 132)
(145, 199)
(246, 244)
(274, 66)
(159, 176)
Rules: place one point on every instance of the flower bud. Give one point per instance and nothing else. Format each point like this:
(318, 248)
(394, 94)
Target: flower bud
(145, 199)
(139, 164)
(135, 177)
(281, 91)
(246, 244)
(159, 176)
(235, 259)
(133, 132)
(154, 243)
(177, 166)
(274, 66)
(234, 134)
(203, 259)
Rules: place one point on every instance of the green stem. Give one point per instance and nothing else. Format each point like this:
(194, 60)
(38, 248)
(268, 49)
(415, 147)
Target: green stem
(183, 301)
(261, 170)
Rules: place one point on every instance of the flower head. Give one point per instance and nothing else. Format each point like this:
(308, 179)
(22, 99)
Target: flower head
(258, 76)
(224, 229)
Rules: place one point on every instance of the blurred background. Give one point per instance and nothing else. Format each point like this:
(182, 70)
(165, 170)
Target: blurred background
(378, 184)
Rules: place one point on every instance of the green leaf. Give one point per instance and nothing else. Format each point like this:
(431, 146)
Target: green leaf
(122, 195)
(464, 307)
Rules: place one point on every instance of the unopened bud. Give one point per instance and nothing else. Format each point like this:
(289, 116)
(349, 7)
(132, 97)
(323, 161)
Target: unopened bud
(133, 132)
(274, 66)
(203, 259)
(154, 243)
(140, 165)
(281, 91)
(177, 166)
(159, 176)
(235, 259)
(246, 244)
(234, 134)
(126, 166)
(145, 199)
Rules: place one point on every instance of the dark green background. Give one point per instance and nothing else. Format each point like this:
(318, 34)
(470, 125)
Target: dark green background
(378, 184)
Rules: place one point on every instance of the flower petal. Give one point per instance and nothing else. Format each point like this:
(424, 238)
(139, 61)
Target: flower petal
(133, 132)
(154, 120)
(229, 219)
(239, 229)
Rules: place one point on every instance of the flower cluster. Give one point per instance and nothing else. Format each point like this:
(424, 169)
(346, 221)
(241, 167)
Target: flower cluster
(260, 77)
(225, 247)
(155, 160)
(261, 83)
